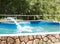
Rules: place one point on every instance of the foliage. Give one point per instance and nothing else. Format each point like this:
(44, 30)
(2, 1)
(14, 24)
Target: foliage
(30, 7)
(14, 6)
(39, 7)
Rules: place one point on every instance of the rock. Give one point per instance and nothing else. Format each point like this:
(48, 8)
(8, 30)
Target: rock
(57, 43)
(40, 42)
(30, 37)
(45, 39)
(38, 36)
(49, 41)
(57, 40)
(53, 39)
(17, 41)
(3, 37)
(3, 42)
(22, 42)
(0, 41)
(57, 36)
(50, 36)
(30, 42)
(43, 36)
(15, 37)
(24, 38)
(10, 40)
(44, 42)
(36, 41)
(34, 36)
(21, 38)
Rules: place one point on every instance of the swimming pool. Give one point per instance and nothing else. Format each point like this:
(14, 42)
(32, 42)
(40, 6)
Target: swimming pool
(35, 26)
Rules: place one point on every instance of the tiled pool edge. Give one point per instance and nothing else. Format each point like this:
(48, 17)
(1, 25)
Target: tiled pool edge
(31, 39)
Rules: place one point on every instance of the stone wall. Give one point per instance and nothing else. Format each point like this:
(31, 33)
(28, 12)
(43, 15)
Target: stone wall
(31, 39)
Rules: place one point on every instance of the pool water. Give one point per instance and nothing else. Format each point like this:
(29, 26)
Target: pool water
(35, 26)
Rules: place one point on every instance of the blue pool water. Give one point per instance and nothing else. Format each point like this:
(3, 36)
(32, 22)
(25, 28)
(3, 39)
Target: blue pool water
(37, 27)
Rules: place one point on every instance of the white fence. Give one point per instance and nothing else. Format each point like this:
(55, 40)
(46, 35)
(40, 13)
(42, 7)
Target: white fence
(34, 17)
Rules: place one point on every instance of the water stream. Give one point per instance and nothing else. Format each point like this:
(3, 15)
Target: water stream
(19, 27)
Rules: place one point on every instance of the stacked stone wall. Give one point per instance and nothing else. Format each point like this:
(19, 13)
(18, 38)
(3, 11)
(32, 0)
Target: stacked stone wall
(31, 39)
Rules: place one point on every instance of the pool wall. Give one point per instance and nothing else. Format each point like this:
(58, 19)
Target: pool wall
(31, 39)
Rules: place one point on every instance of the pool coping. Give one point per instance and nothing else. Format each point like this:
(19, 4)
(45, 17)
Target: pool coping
(32, 20)
(25, 34)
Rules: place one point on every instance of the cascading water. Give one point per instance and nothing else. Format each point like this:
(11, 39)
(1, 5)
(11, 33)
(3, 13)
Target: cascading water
(20, 28)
